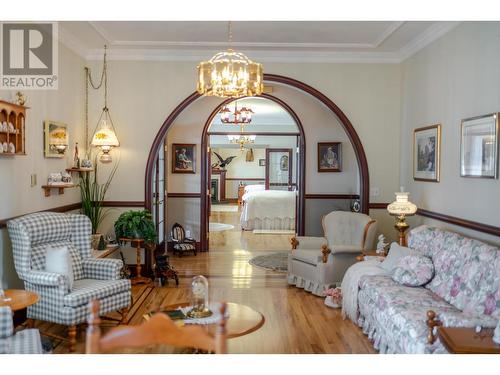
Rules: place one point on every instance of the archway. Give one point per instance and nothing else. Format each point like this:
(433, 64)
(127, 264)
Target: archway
(205, 165)
(345, 122)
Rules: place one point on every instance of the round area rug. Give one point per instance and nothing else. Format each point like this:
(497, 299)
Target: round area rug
(274, 262)
(219, 227)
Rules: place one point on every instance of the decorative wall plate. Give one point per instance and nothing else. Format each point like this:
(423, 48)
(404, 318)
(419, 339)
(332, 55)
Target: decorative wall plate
(12, 148)
(11, 128)
(5, 147)
(4, 126)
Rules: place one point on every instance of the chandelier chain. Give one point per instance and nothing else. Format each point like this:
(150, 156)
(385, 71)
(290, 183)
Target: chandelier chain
(88, 80)
(230, 33)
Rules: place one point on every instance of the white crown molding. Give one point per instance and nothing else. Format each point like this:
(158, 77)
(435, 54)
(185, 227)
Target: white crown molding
(434, 32)
(296, 53)
(261, 56)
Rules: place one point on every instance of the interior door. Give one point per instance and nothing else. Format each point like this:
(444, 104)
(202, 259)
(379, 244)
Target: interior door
(279, 169)
(159, 193)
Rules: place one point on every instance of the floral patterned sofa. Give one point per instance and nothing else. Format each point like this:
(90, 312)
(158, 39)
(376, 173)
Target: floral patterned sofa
(464, 292)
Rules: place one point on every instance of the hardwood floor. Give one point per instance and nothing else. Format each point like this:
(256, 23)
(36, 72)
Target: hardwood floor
(296, 321)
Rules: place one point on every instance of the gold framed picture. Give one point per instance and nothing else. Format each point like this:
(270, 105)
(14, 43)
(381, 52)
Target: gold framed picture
(183, 158)
(56, 139)
(427, 153)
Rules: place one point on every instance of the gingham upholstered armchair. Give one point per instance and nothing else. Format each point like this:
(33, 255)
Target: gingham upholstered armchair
(93, 278)
(26, 341)
(316, 263)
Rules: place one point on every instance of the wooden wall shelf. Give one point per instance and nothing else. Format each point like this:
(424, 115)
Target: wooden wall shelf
(15, 115)
(79, 169)
(61, 188)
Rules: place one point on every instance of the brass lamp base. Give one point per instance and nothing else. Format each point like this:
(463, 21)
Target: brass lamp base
(401, 226)
(194, 313)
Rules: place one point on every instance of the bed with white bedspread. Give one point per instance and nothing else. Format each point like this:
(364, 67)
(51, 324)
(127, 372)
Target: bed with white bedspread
(269, 209)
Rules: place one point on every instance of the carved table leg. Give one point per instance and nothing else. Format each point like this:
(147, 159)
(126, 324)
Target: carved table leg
(123, 312)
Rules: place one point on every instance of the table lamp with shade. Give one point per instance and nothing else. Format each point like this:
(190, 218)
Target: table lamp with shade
(401, 208)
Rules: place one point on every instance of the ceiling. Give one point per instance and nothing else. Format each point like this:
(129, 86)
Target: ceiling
(322, 41)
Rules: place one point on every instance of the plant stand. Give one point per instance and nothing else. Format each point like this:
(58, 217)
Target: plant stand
(138, 278)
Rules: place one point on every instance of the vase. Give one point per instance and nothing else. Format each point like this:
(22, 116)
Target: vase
(333, 303)
(95, 241)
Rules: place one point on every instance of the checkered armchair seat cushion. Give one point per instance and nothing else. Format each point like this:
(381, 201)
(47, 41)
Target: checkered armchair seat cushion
(26, 341)
(31, 235)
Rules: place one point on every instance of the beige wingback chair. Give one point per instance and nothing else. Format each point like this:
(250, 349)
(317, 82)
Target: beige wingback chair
(316, 263)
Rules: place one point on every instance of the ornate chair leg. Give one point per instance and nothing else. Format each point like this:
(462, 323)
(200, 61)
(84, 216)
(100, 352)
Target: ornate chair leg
(123, 312)
(72, 338)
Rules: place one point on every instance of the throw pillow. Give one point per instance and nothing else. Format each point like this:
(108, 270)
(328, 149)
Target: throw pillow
(395, 253)
(413, 270)
(58, 260)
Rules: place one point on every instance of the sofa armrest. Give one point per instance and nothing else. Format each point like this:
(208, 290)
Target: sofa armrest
(6, 323)
(102, 269)
(308, 243)
(45, 278)
(345, 249)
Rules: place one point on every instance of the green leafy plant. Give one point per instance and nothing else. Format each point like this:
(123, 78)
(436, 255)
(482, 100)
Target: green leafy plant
(136, 224)
(93, 194)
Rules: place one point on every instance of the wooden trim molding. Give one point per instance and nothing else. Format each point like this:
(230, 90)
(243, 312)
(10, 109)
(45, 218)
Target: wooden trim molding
(245, 179)
(378, 206)
(66, 208)
(123, 204)
(332, 196)
(474, 225)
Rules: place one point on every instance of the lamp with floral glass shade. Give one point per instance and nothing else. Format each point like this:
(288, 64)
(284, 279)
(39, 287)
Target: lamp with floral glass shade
(105, 136)
(401, 208)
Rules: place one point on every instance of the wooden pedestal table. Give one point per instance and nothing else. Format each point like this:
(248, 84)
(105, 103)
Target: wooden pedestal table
(19, 299)
(242, 319)
(138, 278)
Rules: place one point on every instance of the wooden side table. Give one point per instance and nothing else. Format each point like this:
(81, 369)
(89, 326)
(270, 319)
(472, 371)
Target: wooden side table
(19, 299)
(460, 340)
(138, 278)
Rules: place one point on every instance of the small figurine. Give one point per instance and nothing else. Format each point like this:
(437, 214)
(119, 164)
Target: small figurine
(86, 164)
(20, 98)
(381, 244)
(496, 334)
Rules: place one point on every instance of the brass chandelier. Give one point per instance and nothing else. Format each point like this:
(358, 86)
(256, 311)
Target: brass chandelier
(241, 140)
(237, 117)
(230, 74)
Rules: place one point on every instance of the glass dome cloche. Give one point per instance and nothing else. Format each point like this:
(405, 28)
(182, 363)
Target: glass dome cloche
(199, 299)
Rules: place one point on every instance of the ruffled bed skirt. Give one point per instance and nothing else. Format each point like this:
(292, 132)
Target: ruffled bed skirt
(276, 223)
(308, 285)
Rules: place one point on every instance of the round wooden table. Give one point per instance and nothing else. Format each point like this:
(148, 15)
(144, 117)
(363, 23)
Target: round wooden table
(19, 299)
(242, 319)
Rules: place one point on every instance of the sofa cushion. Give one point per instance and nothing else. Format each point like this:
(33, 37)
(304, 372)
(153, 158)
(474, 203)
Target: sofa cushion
(38, 253)
(413, 270)
(395, 253)
(467, 271)
(58, 260)
(312, 257)
(85, 290)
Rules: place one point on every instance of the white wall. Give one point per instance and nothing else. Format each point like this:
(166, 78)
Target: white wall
(455, 77)
(63, 105)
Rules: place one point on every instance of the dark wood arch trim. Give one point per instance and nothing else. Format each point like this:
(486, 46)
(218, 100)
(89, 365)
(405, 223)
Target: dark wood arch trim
(346, 124)
(205, 166)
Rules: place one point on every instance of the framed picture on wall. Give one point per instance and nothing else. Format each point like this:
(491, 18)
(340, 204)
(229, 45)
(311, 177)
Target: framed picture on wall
(262, 162)
(329, 157)
(183, 158)
(55, 139)
(426, 153)
(479, 147)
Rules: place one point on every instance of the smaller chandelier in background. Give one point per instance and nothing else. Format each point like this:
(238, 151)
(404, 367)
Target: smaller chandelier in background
(242, 140)
(230, 74)
(238, 116)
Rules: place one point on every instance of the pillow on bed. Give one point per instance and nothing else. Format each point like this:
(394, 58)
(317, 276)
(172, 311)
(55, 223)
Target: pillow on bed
(413, 270)
(395, 253)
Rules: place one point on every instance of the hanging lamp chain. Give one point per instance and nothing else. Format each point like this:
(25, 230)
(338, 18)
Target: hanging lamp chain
(230, 34)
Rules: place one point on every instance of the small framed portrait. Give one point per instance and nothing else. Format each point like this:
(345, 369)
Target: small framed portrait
(329, 157)
(284, 163)
(183, 158)
(479, 147)
(426, 153)
(55, 139)
(262, 162)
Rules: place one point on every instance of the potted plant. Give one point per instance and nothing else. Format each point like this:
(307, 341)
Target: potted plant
(136, 224)
(93, 194)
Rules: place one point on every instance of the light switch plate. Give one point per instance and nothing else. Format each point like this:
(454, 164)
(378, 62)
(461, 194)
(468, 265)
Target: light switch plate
(33, 180)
